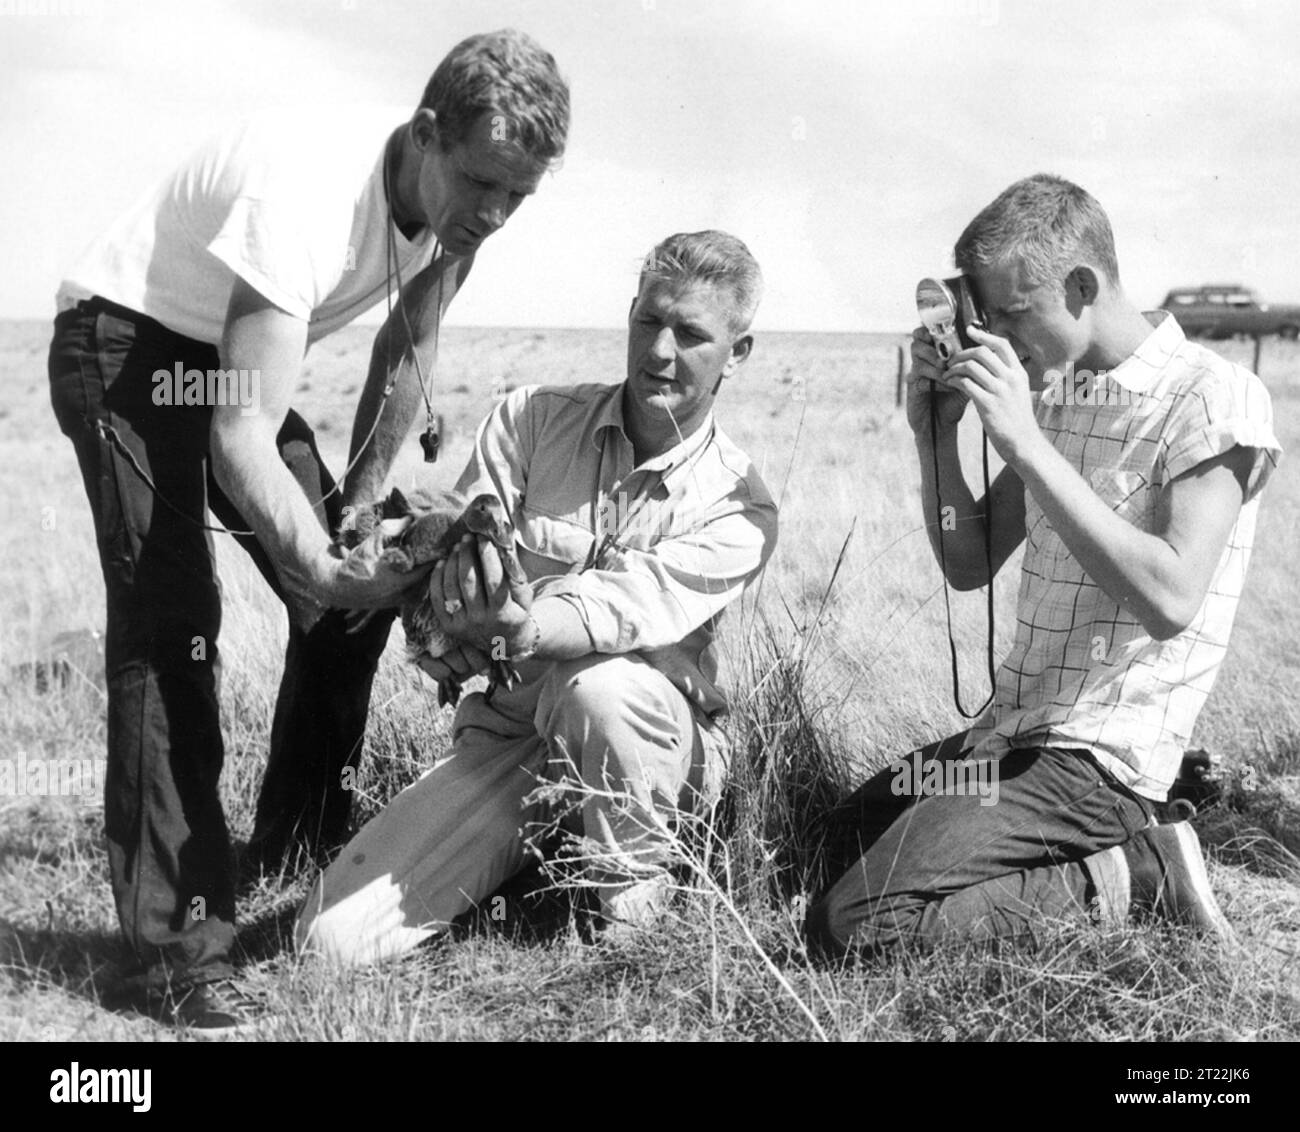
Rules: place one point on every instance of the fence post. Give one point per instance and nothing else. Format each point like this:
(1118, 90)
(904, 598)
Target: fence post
(900, 384)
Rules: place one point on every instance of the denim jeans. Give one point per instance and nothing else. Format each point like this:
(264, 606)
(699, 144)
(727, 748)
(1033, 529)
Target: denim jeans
(923, 864)
(169, 851)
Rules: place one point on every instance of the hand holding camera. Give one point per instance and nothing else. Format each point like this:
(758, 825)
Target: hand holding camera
(946, 307)
(926, 384)
(992, 376)
(963, 361)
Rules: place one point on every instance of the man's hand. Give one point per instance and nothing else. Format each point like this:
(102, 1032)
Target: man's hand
(927, 382)
(460, 663)
(999, 516)
(481, 608)
(992, 377)
(361, 579)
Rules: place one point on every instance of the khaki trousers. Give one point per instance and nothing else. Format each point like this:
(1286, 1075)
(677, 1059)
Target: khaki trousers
(617, 744)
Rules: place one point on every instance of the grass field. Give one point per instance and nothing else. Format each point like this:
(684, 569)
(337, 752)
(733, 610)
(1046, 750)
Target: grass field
(832, 670)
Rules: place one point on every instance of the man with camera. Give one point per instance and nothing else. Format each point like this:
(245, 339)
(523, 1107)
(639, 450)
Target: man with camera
(637, 523)
(263, 241)
(1134, 462)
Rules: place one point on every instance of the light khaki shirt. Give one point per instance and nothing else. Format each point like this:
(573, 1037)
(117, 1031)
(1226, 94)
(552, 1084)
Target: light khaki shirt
(649, 555)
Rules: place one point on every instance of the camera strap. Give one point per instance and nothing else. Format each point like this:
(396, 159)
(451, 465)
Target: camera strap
(943, 567)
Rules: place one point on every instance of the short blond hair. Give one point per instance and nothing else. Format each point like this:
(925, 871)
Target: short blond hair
(501, 72)
(714, 257)
(1046, 224)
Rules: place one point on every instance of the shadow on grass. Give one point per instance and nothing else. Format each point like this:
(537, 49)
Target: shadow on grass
(530, 910)
(268, 934)
(84, 964)
(52, 835)
(1256, 822)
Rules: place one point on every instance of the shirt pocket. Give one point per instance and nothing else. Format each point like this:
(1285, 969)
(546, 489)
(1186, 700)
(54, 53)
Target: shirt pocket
(561, 540)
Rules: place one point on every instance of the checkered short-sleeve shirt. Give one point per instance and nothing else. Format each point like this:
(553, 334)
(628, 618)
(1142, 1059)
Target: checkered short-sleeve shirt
(1082, 671)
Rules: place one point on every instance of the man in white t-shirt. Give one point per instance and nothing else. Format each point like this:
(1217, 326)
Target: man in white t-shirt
(177, 349)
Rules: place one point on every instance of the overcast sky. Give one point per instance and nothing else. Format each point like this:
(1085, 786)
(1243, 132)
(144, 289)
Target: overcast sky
(846, 142)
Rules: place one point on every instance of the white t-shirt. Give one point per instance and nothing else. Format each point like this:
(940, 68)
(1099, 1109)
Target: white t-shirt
(292, 201)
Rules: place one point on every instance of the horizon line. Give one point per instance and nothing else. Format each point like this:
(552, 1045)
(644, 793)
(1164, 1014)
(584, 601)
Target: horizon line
(364, 323)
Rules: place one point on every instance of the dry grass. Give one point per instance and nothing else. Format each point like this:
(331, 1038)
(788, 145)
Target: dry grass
(837, 662)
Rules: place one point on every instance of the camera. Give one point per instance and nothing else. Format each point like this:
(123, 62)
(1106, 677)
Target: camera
(946, 307)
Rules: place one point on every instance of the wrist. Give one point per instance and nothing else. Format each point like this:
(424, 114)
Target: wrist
(362, 487)
(524, 644)
(326, 577)
(1029, 453)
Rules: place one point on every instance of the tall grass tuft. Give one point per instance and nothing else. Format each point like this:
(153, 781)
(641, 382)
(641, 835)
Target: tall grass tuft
(785, 776)
(788, 770)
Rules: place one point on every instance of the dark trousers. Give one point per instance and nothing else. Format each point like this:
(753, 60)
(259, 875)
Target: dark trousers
(169, 851)
(921, 864)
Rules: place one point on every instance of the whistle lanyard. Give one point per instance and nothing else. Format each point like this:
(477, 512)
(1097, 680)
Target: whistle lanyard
(600, 546)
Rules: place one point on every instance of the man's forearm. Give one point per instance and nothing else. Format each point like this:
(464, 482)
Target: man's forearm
(264, 339)
(1141, 571)
(960, 523)
(424, 299)
(249, 470)
(396, 412)
(563, 634)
